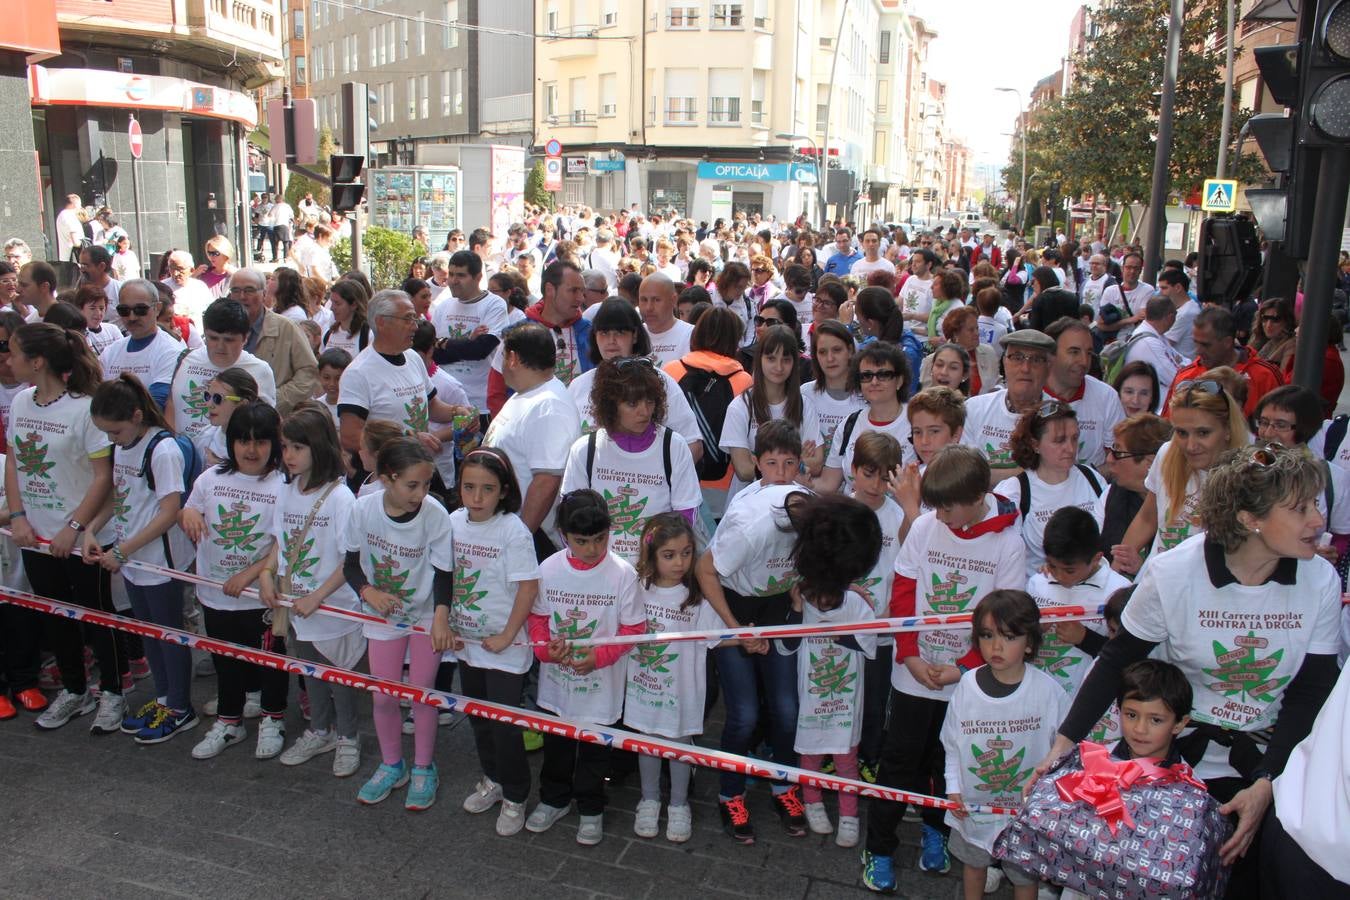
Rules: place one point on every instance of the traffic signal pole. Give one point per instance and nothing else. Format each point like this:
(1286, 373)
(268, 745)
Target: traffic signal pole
(356, 140)
(1319, 277)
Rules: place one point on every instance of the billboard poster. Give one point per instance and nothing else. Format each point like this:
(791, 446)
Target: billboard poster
(508, 188)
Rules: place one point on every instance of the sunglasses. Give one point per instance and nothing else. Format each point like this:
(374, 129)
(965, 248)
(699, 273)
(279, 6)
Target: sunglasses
(1270, 318)
(140, 309)
(1265, 457)
(765, 320)
(1118, 454)
(629, 362)
(4, 346)
(877, 375)
(760, 271)
(1207, 385)
(1052, 408)
(217, 399)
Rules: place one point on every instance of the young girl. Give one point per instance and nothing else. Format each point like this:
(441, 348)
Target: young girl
(880, 373)
(143, 512)
(374, 435)
(496, 584)
(829, 393)
(1001, 715)
(230, 517)
(400, 558)
(634, 461)
(838, 542)
(305, 563)
(667, 683)
(584, 591)
(222, 397)
(57, 477)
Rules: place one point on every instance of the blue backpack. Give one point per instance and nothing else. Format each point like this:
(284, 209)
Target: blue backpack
(192, 464)
(913, 350)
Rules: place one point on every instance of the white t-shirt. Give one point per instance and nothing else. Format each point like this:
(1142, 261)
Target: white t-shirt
(152, 364)
(317, 556)
(1062, 661)
(1075, 490)
(830, 680)
(830, 411)
(1136, 299)
(1098, 411)
(400, 558)
(338, 339)
(633, 484)
(134, 505)
(50, 447)
(398, 393)
(1092, 292)
(841, 453)
(1338, 519)
(917, 297)
(951, 575)
(457, 320)
(989, 426)
(667, 683)
(679, 414)
(448, 390)
(1187, 522)
(862, 268)
(69, 232)
(753, 543)
(1239, 646)
(191, 300)
(993, 328)
(1180, 334)
(536, 430)
(992, 745)
(739, 429)
(240, 514)
(187, 396)
(7, 394)
(672, 344)
(491, 559)
(1150, 347)
(875, 587)
(105, 337)
(586, 604)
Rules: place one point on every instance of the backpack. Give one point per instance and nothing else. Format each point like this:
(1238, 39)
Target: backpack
(849, 424)
(191, 469)
(1114, 354)
(665, 454)
(709, 394)
(1024, 502)
(912, 347)
(1335, 435)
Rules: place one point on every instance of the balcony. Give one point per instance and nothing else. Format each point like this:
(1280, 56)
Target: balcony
(239, 27)
(574, 42)
(577, 118)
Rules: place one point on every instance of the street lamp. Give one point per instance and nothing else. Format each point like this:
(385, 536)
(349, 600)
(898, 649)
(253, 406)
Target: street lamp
(820, 181)
(919, 160)
(1022, 118)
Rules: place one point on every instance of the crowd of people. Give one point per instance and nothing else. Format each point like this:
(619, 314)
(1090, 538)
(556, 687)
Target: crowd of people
(594, 427)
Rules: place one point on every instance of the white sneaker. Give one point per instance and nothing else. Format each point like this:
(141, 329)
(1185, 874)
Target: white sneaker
(271, 738)
(679, 823)
(545, 817)
(487, 793)
(409, 723)
(65, 707)
(347, 759)
(218, 737)
(252, 705)
(511, 818)
(648, 813)
(591, 830)
(848, 832)
(112, 708)
(818, 819)
(310, 745)
(993, 878)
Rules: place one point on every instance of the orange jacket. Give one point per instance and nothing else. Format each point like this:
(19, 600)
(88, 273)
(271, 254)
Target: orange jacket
(721, 365)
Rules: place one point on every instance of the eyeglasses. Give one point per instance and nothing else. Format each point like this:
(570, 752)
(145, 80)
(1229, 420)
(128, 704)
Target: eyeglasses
(878, 375)
(1052, 408)
(759, 271)
(4, 346)
(1275, 424)
(1207, 385)
(217, 399)
(628, 362)
(409, 319)
(823, 303)
(213, 253)
(1025, 358)
(766, 320)
(244, 291)
(1274, 317)
(140, 309)
(1118, 454)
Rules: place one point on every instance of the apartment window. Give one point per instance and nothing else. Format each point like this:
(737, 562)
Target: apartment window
(375, 45)
(389, 101)
(403, 42)
(681, 15)
(445, 93)
(727, 15)
(421, 34)
(609, 94)
(412, 98)
(300, 76)
(761, 13)
(576, 89)
(884, 49)
(758, 80)
(353, 54)
(457, 91)
(551, 18)
(551, 99)
(724, 96)
(318, 64)
(883, 96)
(822, 105)
(391, 39)
(609, 13)
(681, 96)
(426, 96)
(330, 68)
(451, 15)
(299, 17)
(580, 16)
(386, 44)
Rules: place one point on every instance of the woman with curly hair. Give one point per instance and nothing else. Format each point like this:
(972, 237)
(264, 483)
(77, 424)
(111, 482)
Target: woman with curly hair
(633, 460)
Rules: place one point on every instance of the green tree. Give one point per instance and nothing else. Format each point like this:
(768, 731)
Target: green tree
(534, 187)
(388, 256)
(297, 186)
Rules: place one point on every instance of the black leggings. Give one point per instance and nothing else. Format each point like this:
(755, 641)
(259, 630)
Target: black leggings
(251, 628)
(71, 581)
(501, 752)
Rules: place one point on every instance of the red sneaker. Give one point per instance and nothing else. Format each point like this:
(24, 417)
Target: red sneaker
(32, 699)
(7, 710)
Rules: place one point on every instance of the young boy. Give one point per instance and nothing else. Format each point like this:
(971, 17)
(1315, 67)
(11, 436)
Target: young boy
(1075, 574)
(98, 333)
(876, 456)
(967, 546)
(936, 417)
(332, 363)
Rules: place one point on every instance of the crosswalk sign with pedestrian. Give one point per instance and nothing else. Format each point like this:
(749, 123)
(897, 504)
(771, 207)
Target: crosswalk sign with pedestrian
(1219, 195)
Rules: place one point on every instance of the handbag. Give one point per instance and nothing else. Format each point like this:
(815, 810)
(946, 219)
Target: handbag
(281, 617)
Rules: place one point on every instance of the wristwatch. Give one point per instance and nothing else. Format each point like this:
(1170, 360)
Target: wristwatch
(74, 524)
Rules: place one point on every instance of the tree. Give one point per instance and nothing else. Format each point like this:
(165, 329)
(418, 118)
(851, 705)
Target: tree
(297, 186)
(388, 255)
(534, 187)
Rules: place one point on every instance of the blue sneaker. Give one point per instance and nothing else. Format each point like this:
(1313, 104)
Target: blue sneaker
(422, 791)
(878, 872)
(143, 716)
(382, 783)
(165, 725)
(934, 857)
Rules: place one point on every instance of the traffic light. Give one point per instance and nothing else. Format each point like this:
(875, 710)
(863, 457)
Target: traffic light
(1230, 260)
(1324, 80)
(344, 170)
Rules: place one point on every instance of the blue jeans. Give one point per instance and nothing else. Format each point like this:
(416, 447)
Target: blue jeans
(742, 675)
(170, 662)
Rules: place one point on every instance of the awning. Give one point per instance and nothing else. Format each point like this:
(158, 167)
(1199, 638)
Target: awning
(100, 87)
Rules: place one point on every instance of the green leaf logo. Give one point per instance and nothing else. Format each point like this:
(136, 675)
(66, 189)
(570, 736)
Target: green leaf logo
(32, 454)
(389, 578)
(573, 626)
(830, 676)
(1055, 658)
(947, 598)
(235, 531)
(1240, 672)
(775, 586)
(120, 507)
(999, 457)
(995, 772)
(415, 416)
(625, 513)
(299, 563)
(195, 400)
(464, 596)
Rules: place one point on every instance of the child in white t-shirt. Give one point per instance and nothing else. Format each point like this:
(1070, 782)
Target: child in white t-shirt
(222, 396)
(937, 416)
(585, 591)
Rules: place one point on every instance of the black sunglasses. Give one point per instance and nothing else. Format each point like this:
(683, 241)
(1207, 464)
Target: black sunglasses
(879, 375)
(627, 362)
(764, 320)
(140, 309)
(1118, 455)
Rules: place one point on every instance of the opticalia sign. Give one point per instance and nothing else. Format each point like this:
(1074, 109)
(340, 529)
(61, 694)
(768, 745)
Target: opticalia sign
(739, 171)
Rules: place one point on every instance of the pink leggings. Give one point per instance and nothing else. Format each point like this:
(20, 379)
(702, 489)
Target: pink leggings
(386, 661)
(846, 766)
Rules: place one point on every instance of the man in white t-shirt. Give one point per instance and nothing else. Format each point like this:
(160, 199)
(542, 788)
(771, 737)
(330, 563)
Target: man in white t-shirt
(283, 220)
(191, 296)
(69, 228)
(1149, 344)
(1128, 300)
(1096, 282)
(916, 297)
(991, 418)
(535, 428)
(148, 351)
(469, 325)
(656, 302)
(225, 328)
(1175, 285)
(440, 278)
(1095, 402)
(604, 259)
(872, 260)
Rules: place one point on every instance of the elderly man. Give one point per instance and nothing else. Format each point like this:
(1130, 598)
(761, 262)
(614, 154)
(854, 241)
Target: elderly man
(597, 289)
(440, 277)
(388, 380)
(191, 296)
(1095, 282)
(17, 252)
(991, 418)
(148, 352)
(276, 340)
(1149, 343)
(656, 302)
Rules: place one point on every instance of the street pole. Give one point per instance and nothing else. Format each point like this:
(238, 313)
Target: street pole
(1227, 123)
(829, 102)
(1162, 154)
(1022, 118)
(143, 255)
(1319, 277)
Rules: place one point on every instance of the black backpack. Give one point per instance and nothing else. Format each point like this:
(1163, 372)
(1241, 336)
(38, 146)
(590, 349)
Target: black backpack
(665, 454)
(1024, 502)
(709, 394)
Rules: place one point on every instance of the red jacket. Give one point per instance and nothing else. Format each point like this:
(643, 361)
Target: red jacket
(995, 256)
(1262, 378)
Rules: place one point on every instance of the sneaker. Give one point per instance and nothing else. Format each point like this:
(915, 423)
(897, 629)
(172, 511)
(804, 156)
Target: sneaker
(534, 741)
(934, 857)
(32, 699)
(545, 817)
(648, 813)
(993, 879)
(878, 872)
(65, 707)
(347, 758)
(165, 725)
(679, 823)
(791, 811)
(736, 819)
(7, 710)
(382, 783)
(133, 723)
(49, 678)
(422, 790)
(140, 668)
(867, 771)
(827, 767)
(218, 737)
(818, 819)
(591, 830)
(112, 708)
(128, 683)
(310, 745)
(511, 818)
(205, 668)
(409, 723)
(445, 717)
(252, 705)
(848, 832)
(486, 794)
(271, 738)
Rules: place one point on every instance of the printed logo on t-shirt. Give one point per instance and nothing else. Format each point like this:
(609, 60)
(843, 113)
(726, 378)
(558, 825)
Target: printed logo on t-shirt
(830, 674)
(466, 580)
(236, 530)
(32, 455)
(1107, 727)
(864, 587)
(997, 773)
(194, 400)
(120, 506)
(390, 577)
(573, 626)
(1242, 672)
(947, 598)
(415, 417)
(654, 658)
(299, 564)
(1000, 457)
(1057, 658)
(564, 369)
(625, 510)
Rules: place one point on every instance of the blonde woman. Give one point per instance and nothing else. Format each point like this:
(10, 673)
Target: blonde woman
(763, 277)
(219, 266)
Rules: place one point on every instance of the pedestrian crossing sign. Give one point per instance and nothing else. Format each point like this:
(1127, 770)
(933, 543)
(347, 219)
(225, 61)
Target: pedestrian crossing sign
(1219, 195)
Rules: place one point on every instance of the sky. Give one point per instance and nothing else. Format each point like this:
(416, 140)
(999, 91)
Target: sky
(984, 44)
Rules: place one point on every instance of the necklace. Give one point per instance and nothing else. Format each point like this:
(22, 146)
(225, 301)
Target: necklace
(37, 402)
